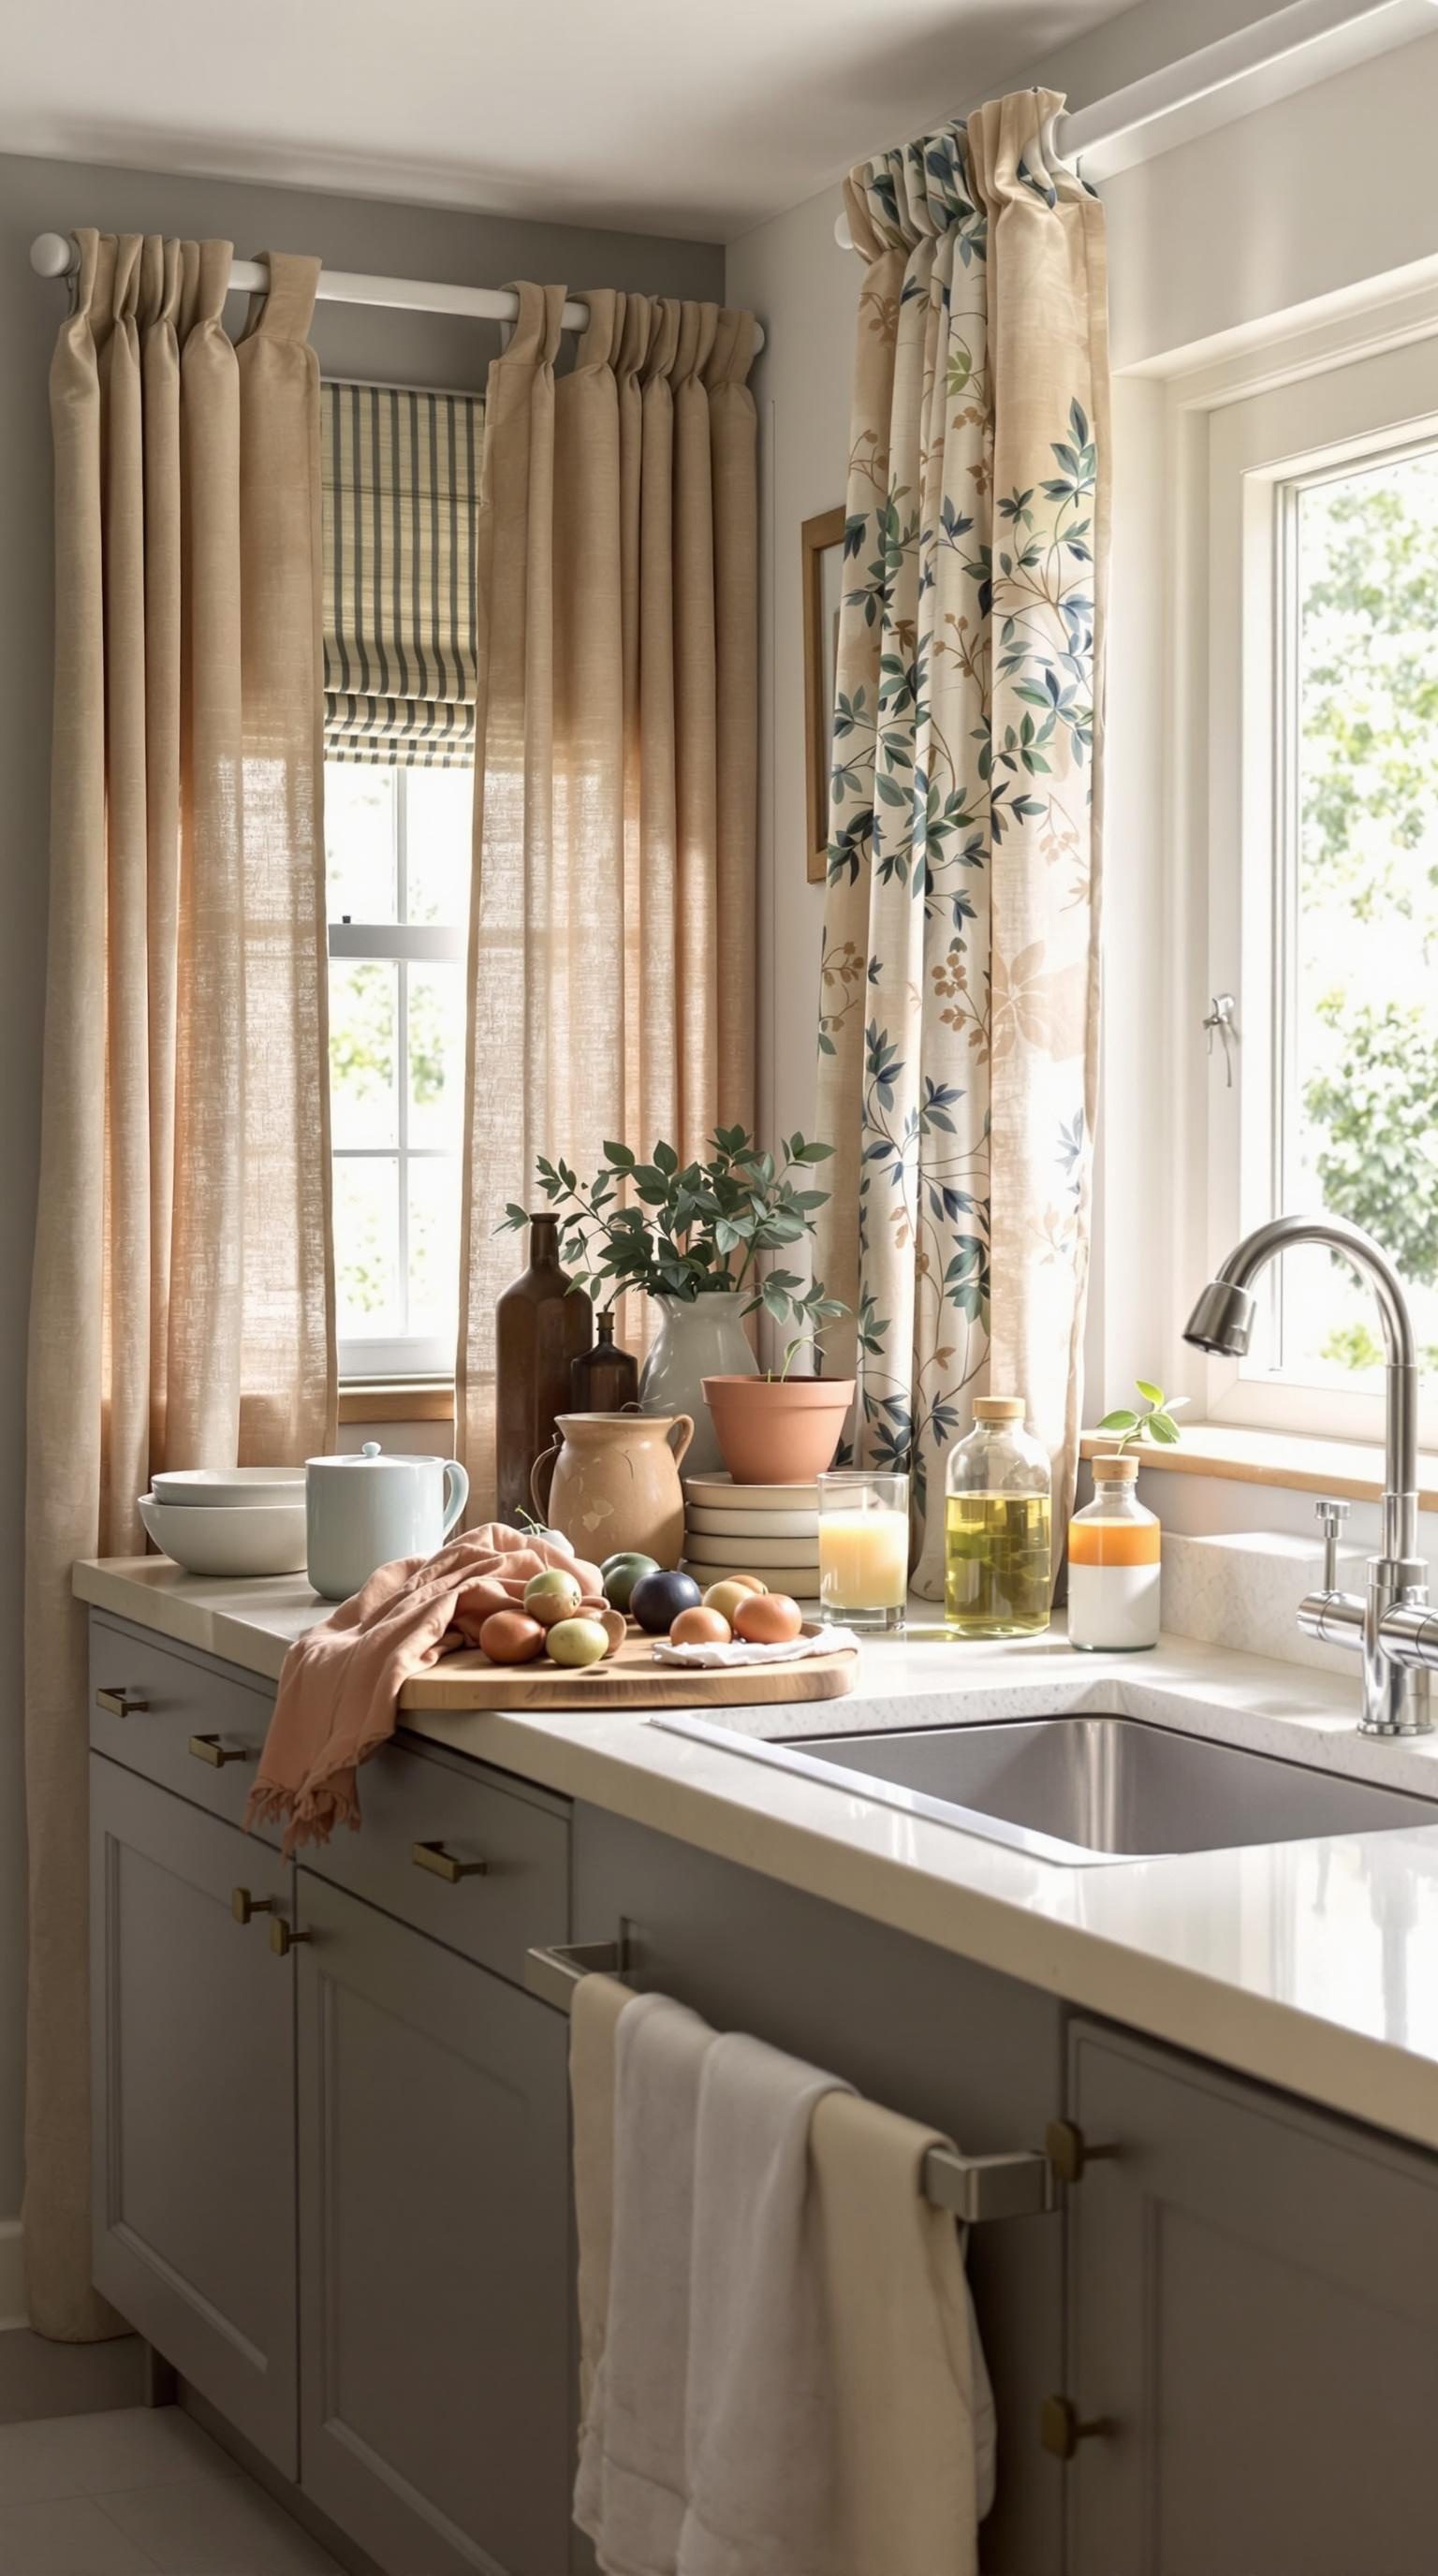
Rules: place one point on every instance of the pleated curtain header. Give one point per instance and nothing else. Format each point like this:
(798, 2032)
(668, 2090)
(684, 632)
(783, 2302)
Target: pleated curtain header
(400, 474)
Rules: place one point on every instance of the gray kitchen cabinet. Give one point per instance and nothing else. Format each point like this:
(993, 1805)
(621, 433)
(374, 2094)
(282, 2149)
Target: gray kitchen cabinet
(192, 2047)
(436, 2401)
(1253, 2329)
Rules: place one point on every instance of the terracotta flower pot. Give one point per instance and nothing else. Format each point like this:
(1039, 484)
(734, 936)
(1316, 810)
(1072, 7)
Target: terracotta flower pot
(778, 1431)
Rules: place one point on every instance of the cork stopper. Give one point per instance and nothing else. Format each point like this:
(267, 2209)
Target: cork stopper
(1113, 1471)
(998, 1408)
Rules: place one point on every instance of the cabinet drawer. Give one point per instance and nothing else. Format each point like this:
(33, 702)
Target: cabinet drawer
(169, 1715)
(412, 1801)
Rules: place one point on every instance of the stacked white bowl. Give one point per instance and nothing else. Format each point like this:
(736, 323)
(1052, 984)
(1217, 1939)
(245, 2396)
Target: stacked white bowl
(229, 1520)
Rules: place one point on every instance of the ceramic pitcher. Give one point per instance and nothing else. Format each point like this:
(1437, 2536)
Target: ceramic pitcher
(366, 1508)
(615, 1483)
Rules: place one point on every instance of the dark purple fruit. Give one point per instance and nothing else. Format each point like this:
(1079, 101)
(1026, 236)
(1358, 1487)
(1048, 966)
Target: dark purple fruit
(657, 1600)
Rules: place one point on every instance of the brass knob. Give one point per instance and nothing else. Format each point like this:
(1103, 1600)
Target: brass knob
(121, 1703)
(282, 1939)
(442, 1864)
(243, 1905)
(1069, 2151)
(1060, 2430)
(208, 1748)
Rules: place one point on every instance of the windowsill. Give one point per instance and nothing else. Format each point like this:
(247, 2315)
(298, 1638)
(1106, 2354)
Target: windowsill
(417, 1399)
(1351, 1469)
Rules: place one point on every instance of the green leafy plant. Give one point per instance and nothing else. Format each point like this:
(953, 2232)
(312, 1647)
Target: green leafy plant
(1156, 1422)
(673, 1229)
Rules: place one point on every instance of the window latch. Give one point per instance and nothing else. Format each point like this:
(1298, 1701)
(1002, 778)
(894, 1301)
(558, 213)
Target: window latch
(1220, 1018)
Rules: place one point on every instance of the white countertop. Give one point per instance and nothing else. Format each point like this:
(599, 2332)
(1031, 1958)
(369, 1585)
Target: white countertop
(1313, 1964)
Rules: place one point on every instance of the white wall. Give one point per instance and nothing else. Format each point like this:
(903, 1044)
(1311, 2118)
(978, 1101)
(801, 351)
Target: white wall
(1320, 198)
(391, 240)
(792, 273)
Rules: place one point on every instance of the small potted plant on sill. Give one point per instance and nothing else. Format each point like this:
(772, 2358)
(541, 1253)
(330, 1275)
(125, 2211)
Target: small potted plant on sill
(692, 1236)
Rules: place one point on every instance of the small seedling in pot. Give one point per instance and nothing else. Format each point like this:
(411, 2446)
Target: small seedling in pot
(1155, 1423)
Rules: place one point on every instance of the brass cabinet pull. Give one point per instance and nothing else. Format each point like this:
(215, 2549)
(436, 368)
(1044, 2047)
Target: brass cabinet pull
(243, 1905)
(208, 1748)
(1060, 2431)
(121, 1703)
(282, 1939)
(1069, 2151)
(442, 1864)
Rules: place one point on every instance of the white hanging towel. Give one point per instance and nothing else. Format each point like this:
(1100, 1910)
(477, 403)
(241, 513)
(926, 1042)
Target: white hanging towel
(913, 2405)
(631, 2491)
(785, 2378)
(593, 2030)
(762, 2428)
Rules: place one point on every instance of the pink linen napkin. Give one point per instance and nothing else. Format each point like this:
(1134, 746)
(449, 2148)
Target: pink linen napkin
(340, 1686)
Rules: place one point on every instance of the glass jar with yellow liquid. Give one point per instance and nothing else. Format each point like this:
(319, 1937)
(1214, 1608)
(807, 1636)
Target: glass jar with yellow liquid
(997, 1552)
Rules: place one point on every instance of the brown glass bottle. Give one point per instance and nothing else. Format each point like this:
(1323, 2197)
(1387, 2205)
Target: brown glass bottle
(606, 1378)
(542, 1323)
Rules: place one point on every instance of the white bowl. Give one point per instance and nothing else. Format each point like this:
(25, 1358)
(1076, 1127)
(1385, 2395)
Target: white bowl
(267, 1538)
(210, 1488)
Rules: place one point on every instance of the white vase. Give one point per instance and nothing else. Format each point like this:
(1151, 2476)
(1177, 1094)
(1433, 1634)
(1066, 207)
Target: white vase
(698, 1338)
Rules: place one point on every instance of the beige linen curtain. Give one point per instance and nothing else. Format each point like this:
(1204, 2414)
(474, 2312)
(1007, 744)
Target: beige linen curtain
(182, 1309)
(959, 1011)
(612, 931)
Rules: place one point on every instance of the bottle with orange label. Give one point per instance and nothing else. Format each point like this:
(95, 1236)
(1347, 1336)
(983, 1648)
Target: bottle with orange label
(1114, 1565)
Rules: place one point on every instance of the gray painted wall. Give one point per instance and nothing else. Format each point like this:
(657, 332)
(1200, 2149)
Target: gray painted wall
(383, 239)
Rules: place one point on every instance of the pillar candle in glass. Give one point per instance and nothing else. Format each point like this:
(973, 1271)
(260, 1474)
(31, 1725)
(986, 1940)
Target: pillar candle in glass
(863, 1547)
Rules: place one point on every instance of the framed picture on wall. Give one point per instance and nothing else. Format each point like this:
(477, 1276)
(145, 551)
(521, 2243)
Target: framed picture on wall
(822, 541)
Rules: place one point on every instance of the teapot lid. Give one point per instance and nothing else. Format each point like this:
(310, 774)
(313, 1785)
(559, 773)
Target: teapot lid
(370, 1454)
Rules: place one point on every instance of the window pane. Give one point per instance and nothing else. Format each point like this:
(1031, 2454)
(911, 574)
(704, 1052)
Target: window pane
(367, 1280)
(359, 841)
(364, 1108)
(1362, 1126)
(434, 1245)
(436, 1055)
(439, 810)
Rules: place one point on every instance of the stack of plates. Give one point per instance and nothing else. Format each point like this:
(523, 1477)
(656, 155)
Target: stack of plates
(768, 1530)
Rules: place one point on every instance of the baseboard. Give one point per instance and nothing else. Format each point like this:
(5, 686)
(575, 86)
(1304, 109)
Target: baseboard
(39, 2378)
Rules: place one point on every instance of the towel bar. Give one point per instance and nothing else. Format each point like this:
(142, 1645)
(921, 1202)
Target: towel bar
(974, 2188)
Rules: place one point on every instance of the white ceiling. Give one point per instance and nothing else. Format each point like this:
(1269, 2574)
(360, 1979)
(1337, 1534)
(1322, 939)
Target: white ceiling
(696, 117)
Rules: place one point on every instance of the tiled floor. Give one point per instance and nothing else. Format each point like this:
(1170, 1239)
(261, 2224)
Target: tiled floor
(135, 2492)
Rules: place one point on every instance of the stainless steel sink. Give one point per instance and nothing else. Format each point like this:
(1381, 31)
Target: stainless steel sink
(1085, 1788)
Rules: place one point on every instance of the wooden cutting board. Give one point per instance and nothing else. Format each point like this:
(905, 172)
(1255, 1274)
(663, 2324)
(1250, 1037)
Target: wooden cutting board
(630, 1679)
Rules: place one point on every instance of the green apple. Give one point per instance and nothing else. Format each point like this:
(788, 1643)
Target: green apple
(552, 1595)
(577, 1641)
(620, 1573)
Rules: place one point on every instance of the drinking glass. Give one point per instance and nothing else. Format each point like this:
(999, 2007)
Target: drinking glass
(863, 1548)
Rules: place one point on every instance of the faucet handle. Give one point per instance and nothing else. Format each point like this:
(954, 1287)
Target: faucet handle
(1332, 1513)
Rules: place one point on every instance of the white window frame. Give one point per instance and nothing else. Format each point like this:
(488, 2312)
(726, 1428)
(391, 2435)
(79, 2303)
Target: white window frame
(1263, 444)
(410, 1355)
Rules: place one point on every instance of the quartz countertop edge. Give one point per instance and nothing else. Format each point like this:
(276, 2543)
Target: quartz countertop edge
(1307, 1965)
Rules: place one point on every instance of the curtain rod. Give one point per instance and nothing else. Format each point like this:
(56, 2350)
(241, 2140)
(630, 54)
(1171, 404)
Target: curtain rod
(54, 255)
(1310, 37)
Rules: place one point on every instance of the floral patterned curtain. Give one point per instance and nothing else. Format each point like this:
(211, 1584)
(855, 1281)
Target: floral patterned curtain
(958, 1028)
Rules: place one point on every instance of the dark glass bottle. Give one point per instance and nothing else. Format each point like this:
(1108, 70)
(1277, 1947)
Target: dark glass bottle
(606, 1378)
(542, 1324)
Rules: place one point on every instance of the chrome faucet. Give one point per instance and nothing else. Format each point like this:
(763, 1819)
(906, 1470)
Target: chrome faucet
(1395, 1628)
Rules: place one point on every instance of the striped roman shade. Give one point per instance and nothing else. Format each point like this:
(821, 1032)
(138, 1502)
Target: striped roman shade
(400, 484)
